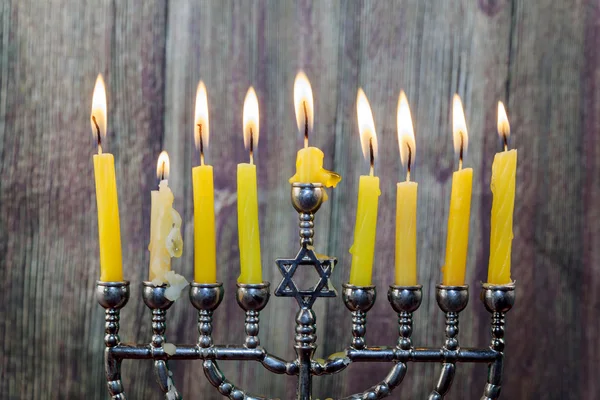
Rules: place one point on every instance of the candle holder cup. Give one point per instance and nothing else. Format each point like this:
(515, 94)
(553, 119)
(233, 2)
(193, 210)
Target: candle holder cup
(252, 298)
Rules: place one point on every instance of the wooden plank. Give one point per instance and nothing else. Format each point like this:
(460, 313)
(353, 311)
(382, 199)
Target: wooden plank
(547, 86)
(51, 54)
(590, 164)
(540, 57)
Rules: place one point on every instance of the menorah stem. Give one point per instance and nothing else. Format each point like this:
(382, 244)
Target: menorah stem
(359, 321)
(405, 330)
(498, 300)
(252, 328)
(112, 296)
(205, 328)
(156, 300)
(305, 348)
(452, 300)
(405, 300)
(112, 365)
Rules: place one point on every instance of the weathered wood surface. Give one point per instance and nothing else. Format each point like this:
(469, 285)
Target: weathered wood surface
(540, 57)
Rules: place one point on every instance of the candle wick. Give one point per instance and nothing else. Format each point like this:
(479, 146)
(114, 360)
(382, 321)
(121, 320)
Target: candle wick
(460, 155)
(372, 156)
(409, 162)
(305, 125)
(98, 136)
(201, 144)
(162, 171)
(251, 147)
(505, 141)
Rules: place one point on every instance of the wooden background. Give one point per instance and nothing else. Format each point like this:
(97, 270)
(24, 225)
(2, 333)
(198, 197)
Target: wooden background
(540, 57)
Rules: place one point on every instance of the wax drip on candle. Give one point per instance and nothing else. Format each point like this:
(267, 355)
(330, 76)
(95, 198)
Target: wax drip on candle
(99, 137)
(201, 145)
(371, 156)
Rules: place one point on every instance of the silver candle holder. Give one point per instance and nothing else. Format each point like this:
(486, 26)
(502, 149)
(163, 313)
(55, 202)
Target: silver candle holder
(252, 298)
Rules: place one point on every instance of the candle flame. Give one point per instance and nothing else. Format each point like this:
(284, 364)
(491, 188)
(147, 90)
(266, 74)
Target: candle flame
(98, 117)
(251, 118)
(406, 133)
(366, 125)
(503, 125)
(303, 103)
(163, 166)
(201, 126)
(459, 127)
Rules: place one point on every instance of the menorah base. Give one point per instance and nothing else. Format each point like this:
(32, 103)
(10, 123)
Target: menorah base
(498, 299)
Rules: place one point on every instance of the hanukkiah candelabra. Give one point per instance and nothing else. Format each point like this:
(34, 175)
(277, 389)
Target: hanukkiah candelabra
(252, 298)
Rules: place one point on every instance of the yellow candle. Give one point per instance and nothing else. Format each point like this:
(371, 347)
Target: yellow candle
(205, 247)
(249, 234)
(406, 234)
(504, 171)
(363, 249)
(309, 161)
(457, 239)
(458, 228)
(165, 224)
(406, 201)
(248, 230)
(109, 231)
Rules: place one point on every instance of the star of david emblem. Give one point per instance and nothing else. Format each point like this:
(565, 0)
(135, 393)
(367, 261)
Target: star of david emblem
(305, 297)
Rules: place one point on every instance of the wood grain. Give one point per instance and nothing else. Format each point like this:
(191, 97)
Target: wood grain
(540, 58)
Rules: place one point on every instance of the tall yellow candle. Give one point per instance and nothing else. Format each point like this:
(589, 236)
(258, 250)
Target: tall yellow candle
(205, 246)
(165, 225)
(248, 229)
(406, 201)
(363, 249)
(109, 231)
(457, 239)
(309, 161)
(504, 171)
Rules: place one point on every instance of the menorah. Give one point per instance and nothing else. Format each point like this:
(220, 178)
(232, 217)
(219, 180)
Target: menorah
(252, 298)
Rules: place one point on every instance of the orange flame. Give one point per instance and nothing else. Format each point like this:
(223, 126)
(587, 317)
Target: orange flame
(366, 125)
(406, 133)
(98, 116)
(503, 125)
(163, 166)
(201, 124)
(303, 104)
(459, 127)
(251, 118)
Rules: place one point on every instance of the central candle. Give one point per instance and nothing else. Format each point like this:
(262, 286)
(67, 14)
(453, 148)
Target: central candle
(248, 229)
(457, 239)
(309, 161)
(363, 249)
